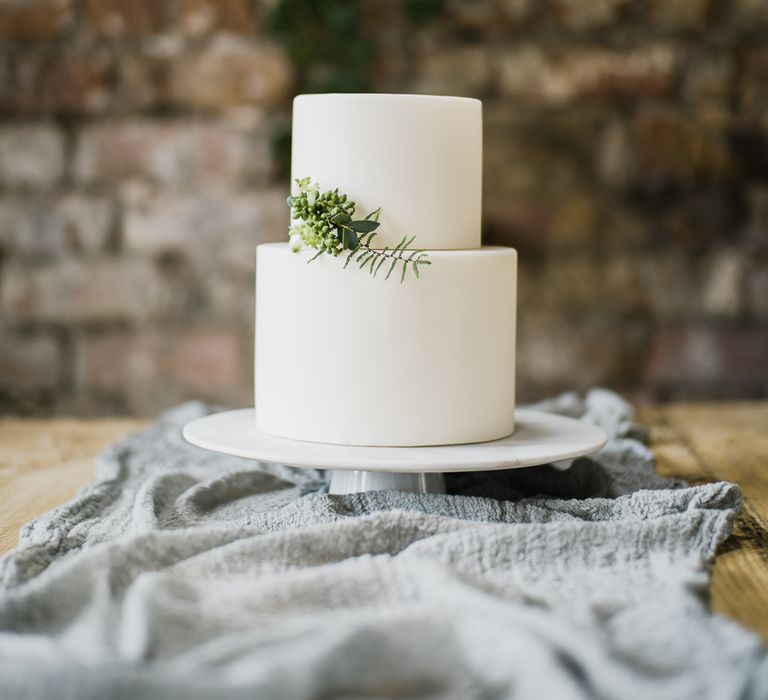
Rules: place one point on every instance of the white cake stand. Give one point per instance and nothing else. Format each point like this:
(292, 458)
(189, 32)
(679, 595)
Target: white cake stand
(539, 438)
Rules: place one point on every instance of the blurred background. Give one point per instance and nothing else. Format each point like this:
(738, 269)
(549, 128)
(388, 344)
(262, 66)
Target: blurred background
(144, 151)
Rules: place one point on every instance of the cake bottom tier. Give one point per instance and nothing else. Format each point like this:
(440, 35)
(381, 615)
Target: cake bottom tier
(344, 358)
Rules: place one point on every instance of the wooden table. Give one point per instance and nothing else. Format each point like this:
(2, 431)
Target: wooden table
(44, 462)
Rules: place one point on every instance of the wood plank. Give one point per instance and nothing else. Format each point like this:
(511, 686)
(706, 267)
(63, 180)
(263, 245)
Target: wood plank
(728, 442)
(731, 442)
(43, 463)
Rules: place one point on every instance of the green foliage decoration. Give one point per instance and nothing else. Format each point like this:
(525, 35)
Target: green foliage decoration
(325, 222)
(332, 49)
(326, 42)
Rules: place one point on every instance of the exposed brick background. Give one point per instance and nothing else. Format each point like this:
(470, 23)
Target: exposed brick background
(626, 159)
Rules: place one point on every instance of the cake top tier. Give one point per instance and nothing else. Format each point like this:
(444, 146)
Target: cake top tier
(418, 157)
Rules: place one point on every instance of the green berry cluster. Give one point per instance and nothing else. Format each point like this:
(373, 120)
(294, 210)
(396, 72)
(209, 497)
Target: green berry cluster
(325, 222)
(318, 213)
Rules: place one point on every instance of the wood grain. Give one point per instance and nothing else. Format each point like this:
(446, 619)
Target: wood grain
(43, 463)
(725, 442)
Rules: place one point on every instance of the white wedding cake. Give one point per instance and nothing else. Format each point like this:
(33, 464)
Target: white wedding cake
(360, 338)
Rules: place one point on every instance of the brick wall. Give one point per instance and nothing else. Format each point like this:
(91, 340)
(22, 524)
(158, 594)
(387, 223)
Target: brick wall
(140, 163)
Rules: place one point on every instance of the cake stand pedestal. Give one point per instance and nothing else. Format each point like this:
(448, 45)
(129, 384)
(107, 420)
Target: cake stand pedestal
(539, 438)
(358, 480)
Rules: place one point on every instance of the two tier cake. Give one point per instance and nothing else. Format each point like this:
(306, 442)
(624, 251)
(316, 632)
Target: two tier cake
(343, 356)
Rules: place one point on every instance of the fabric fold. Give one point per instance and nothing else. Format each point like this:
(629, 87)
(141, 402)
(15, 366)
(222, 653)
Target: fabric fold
(179, 573)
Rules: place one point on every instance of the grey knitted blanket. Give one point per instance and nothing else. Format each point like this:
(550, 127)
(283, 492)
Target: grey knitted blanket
(183, 574)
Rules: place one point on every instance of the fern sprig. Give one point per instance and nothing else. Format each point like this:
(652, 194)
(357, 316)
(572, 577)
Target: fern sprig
(399, 256)
(328, 225)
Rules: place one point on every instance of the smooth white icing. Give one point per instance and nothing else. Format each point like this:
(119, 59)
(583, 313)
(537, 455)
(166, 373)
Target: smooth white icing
(344, 358)
(416, 156)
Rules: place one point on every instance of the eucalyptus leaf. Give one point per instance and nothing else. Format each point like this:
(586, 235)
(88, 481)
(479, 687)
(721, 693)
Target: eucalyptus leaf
(364, 225)
(349, 239)
(341, 218)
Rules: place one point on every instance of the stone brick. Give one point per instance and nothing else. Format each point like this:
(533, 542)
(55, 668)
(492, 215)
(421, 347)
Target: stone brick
(615, 163)
(177, 154)
(33, 19)
(123, 371)
(459, 71)
(217, 227)
(201, 17)
(528, 178)
(694, 220)
(123, 17)
(515, 11)
(529, 73)
(207, 361)
(756, 227)
(31, 156)
(116, 360)
(83, 83)
(477, 16)
(723, 291)
(730, 360)
(670, 145)
(86, 221)
(44, 227)
(230, 73)
(556, 354)
(76, 291)
(625, 230)
(28, 362)
(574, 223)
(748, 14)
(74, 82)
(586, 14)
(708, 82)
(584, 283)
(753, 81)
(669, 285)
(680, 14)
(141, 82)
(29, 228)
(145, 370)
(757, 289)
